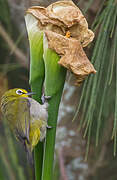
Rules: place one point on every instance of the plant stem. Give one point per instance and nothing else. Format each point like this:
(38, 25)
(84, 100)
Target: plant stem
(54, 83)
(38, 156)
(36, 82)
(50, 137)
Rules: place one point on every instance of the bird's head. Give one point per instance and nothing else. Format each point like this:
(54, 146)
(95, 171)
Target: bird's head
(14, 94)
(17, 92)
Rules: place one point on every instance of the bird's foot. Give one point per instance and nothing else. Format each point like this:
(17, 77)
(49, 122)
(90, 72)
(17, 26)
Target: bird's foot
(48, 127)
(45, 98)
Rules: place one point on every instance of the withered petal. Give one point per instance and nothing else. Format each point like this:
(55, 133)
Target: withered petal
(61, 16)
(44, 21)
(57, 19)
(67, 12)
(72, 55)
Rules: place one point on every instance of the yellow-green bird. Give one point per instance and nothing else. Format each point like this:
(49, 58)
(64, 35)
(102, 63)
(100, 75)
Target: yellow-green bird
(26, 117)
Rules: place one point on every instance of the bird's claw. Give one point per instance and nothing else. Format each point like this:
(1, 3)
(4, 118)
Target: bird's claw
(45, 98)
(48, 127)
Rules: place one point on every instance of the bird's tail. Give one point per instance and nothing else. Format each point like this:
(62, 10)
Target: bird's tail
(29, 153)
(30, 157)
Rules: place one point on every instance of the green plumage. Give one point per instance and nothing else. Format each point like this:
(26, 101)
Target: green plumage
(26, 118)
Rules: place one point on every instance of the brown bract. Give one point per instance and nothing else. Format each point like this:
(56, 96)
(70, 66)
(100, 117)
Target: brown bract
(72, 55)
(55, 21)
(63, 16)
(72, 18)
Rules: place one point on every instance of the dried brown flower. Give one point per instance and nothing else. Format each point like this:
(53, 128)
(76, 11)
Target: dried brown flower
(57, 19)
(72, 55)
(61, 16)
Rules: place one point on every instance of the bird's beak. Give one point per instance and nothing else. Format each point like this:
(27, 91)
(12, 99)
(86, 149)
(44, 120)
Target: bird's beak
(30, 93)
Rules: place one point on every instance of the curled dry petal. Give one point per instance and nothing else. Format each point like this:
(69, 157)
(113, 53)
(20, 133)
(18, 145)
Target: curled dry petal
(57, 19)
(66, 12)
(73, 19)
(61, 16)
(44, 22)
(72, 55)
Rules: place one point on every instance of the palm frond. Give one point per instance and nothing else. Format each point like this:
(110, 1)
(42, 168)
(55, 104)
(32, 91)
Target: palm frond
(94, 96)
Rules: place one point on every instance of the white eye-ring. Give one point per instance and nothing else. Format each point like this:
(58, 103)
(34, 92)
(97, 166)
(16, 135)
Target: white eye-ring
(20, 92)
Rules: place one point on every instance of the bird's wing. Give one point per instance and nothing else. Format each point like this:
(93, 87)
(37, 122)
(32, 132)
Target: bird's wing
(23, 120)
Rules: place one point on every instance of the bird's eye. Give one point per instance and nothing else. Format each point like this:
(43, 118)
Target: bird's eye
(20, 92)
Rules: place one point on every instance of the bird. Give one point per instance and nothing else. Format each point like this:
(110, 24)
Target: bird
(26, 117)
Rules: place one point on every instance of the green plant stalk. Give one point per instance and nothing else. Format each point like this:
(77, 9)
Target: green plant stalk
(36, 82)
(54, 83)
(37, 69)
